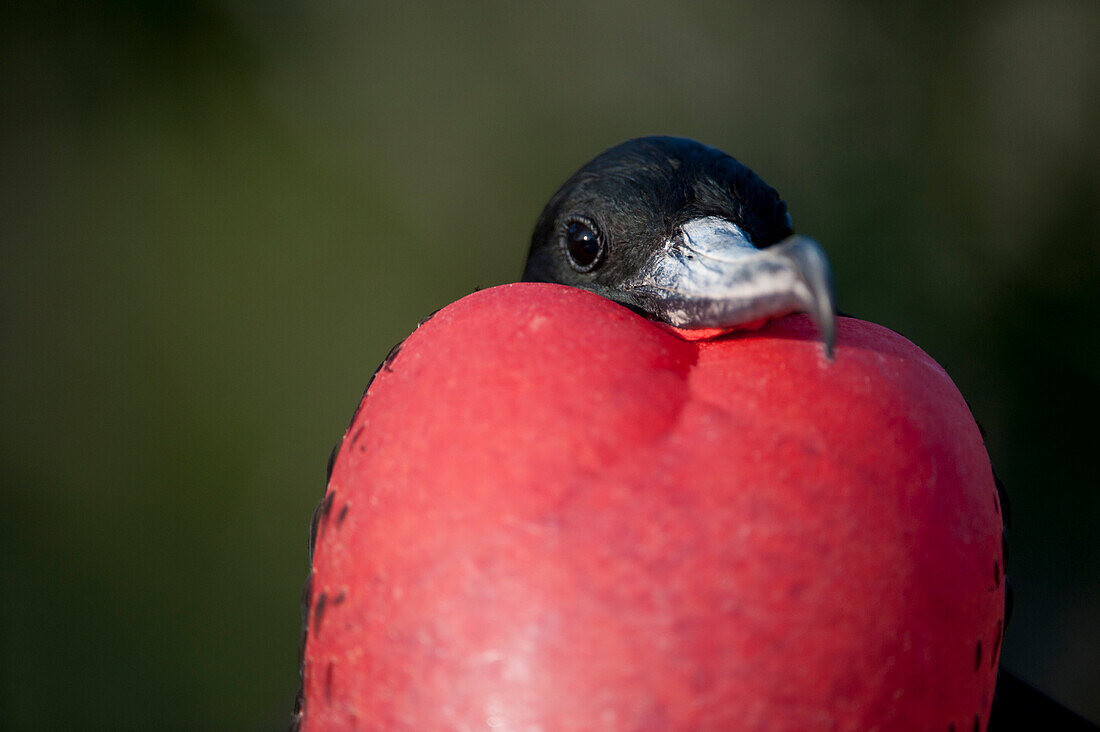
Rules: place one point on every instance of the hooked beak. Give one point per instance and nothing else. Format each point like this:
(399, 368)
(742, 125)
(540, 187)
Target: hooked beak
(710, 275)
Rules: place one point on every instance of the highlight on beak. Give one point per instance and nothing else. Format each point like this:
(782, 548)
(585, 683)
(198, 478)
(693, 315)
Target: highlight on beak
(711, 276)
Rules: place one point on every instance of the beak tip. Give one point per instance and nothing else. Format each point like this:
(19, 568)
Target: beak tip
(826, 327)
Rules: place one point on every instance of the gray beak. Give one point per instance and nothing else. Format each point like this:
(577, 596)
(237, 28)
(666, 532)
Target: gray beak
(711, 276)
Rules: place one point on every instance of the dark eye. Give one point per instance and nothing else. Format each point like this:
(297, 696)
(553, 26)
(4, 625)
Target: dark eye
(582, 243)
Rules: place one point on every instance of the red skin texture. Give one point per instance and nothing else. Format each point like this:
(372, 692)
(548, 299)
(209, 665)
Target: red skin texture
(552, 514)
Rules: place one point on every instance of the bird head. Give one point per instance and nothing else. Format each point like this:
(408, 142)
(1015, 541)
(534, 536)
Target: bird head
(683, 234)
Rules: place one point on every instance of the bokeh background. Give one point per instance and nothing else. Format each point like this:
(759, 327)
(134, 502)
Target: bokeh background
(217, 217)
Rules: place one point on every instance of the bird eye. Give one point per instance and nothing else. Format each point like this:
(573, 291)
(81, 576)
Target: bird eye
(582, 243)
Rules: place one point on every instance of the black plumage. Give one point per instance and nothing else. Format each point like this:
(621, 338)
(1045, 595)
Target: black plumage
(638, 194)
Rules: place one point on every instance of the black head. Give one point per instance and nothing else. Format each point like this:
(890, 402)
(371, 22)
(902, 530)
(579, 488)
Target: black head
(636, 195)
(682, 233)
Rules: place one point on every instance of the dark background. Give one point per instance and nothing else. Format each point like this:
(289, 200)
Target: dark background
(216, 218)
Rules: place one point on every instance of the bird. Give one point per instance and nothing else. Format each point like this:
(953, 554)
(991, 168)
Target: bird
(454, 576)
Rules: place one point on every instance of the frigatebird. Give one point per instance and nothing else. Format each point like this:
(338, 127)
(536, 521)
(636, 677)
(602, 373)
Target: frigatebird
(681, 234)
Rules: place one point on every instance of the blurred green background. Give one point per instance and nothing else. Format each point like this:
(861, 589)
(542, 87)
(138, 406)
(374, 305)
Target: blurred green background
(217, 217)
